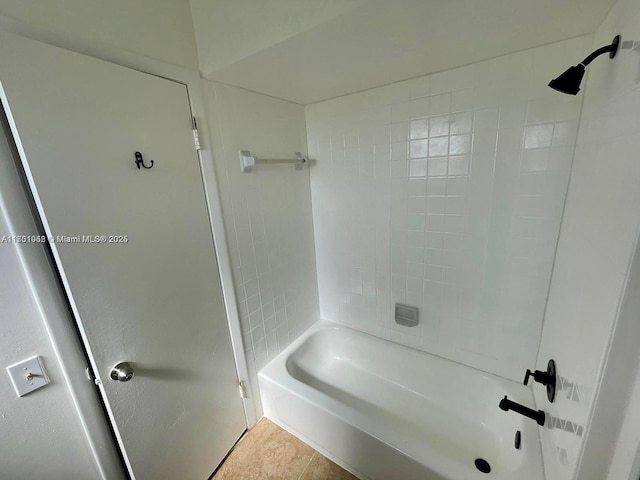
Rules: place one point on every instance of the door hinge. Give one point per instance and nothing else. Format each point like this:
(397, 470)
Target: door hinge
(92, 378)
(196, 137)
(243, 389)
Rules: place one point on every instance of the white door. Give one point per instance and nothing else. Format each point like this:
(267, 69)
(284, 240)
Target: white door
(149, 293)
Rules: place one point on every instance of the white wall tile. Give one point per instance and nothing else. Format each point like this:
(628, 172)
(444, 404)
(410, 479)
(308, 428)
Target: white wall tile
(598, 234)
(267, 215)
(460, 228)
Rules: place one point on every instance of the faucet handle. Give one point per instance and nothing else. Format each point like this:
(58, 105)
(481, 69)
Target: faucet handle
(547, 378)
(538, 376)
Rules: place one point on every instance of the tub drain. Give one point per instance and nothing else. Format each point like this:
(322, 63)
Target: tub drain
(482, 465)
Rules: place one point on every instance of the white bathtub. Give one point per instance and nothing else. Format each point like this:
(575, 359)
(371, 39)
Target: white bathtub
(385, 411)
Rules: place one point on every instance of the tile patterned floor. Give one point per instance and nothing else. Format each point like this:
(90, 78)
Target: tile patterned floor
(270, 453)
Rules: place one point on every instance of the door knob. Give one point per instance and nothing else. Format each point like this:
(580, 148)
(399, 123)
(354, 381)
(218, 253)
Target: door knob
(122, 372)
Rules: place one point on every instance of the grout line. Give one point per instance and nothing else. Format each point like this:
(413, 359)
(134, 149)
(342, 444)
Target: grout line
(306, 467)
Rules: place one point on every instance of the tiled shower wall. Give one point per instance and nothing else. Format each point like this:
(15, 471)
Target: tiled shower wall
(267, 215)
(446, 192)
(597, 240)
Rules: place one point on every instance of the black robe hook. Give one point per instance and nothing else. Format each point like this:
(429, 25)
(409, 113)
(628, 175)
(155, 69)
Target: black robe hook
(140, 161)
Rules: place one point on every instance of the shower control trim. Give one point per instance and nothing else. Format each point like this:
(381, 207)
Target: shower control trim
(547, 378)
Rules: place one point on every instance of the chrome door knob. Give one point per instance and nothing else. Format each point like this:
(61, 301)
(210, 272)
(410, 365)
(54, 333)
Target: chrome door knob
(122, 372)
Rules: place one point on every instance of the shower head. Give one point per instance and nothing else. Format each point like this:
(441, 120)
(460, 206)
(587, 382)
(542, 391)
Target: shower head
(569, 81)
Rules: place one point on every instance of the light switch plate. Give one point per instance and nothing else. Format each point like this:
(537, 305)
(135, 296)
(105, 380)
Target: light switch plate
(27, 375)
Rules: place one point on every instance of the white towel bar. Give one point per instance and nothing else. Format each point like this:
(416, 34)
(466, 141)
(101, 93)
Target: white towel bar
(247, 161)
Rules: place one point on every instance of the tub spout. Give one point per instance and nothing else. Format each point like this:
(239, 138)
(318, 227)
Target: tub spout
(506, 405)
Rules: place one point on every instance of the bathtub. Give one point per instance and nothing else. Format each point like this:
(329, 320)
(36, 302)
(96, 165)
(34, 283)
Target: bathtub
(385, 411)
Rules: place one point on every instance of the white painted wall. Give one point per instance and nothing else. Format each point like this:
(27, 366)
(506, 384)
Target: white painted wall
(42, 433)
(614, 434)
(597, 238)
(228, 31)
(268, 219)
(313, 50)
(159, 29)
(446, 192)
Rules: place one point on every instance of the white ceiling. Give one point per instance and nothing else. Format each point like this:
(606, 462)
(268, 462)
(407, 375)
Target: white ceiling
(310, 50)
